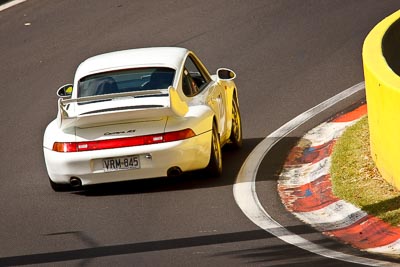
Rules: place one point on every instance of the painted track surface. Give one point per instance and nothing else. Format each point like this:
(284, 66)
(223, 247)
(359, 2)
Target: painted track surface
(282, 55)
(245, 188)
(306, 191)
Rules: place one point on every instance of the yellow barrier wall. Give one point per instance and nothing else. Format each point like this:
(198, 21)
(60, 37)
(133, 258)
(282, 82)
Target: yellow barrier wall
(381, 60)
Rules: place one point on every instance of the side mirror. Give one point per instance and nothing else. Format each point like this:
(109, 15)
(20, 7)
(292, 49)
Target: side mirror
(65, 91)
(226, 74)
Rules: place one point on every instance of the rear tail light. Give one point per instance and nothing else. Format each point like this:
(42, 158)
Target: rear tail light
(65, 147)
(178, 135)
(123, 142)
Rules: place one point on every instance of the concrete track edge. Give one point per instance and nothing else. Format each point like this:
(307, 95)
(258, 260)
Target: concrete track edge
(244, 189)
(6, 5)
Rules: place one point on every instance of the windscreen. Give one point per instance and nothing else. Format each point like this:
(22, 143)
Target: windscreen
(122, 81)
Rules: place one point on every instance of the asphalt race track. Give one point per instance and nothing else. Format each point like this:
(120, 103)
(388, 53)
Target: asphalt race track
(288, 55)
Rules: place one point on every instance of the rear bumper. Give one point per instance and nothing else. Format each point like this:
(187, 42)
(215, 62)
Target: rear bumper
(155, 160)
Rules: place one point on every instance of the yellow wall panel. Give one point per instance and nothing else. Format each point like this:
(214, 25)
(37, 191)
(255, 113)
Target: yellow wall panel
(381, 52)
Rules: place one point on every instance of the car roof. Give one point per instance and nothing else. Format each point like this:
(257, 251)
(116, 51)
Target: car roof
(171, 57)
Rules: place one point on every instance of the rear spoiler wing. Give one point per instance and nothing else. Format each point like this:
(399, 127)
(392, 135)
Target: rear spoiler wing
(108, 96)
(175, 107)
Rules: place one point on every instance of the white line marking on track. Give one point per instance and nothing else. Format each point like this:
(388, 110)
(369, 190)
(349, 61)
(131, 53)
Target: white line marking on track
(11, 4)
(305, 174)
(337, 215)
(244, 189)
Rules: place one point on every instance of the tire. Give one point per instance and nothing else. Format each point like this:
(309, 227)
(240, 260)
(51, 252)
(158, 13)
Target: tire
(59, 187)
(214, 167)
(236, 138)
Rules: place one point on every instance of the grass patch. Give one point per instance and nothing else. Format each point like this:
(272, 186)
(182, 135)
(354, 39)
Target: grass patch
(356, 179)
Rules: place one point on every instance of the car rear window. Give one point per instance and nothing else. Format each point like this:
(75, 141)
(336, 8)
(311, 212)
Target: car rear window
(126, 81)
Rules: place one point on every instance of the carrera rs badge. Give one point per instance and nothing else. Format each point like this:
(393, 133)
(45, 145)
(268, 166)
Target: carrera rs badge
(119, 132)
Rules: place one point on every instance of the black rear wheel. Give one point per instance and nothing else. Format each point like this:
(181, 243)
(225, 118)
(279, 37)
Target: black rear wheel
(236, 131)
(214, 167)
(59, 187)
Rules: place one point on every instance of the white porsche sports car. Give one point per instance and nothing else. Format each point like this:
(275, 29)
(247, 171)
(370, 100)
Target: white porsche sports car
(138, 114)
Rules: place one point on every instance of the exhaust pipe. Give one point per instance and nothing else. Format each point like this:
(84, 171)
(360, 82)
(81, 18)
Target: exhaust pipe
(75, 182)
(174, 171)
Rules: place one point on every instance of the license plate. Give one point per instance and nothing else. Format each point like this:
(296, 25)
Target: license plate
(122, 163)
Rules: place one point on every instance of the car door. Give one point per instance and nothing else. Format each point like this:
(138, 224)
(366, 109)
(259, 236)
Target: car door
(196, 80)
